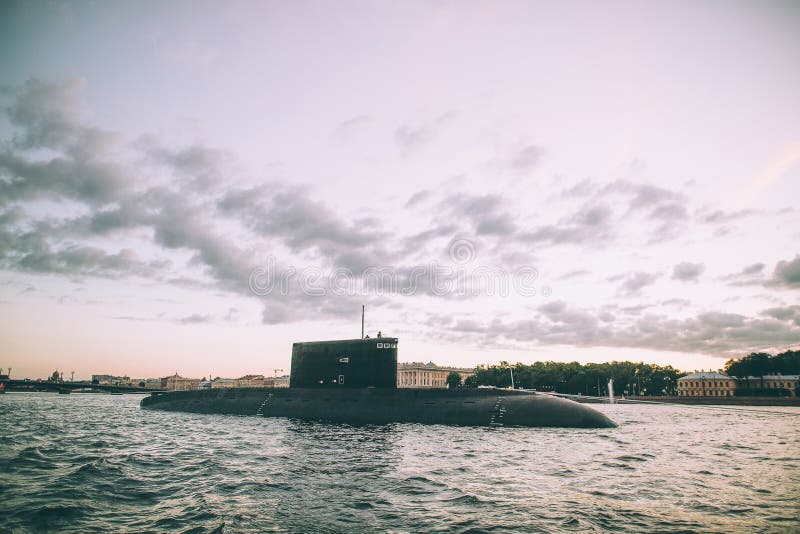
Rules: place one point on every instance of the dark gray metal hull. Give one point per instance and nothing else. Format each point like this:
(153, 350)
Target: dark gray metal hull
(472, 407)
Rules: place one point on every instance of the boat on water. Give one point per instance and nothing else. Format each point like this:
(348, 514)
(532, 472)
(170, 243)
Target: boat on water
(355, 381)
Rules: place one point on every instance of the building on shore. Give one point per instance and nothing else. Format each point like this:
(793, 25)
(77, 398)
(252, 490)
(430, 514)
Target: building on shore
(111, 380)
(710, 384)
(277, 382)
(781, 385)
(250, 381)
(152, 383)
(427, 375)
(179, 383)
(224, 383)
(706, 384)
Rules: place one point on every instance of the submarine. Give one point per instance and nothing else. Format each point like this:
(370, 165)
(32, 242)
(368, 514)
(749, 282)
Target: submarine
(354, 381)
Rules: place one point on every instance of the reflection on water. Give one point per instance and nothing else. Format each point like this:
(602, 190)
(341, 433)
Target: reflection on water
(93, 462)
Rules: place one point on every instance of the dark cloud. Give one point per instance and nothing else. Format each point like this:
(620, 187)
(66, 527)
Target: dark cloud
(71, 176)
(196, 166)
(750, 270)
(487, 214)
(305, 225)
(787, 273)
(85, 260)
(46, 113)
(713, 333)
(591, 224)
(784, 313)
(688, 272)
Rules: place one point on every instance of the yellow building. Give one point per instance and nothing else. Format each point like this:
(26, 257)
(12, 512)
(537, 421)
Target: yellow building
(706, 385)
(278, 382)
(179, 383)
(224, 383)
(427, 375)
(250, 381)
(788, 383)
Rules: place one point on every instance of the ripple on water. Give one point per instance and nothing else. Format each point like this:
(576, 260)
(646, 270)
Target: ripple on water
(664, 469)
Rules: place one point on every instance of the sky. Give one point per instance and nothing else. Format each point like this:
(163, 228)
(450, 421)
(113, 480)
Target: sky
(192, 187)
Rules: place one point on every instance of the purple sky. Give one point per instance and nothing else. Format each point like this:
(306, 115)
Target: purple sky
(192, 187)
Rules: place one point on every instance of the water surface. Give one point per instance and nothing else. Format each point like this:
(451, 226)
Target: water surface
(80, 463)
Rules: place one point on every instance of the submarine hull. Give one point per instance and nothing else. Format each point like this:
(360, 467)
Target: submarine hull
(469, 407)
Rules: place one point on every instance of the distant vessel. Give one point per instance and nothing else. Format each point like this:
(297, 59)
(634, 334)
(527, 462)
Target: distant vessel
(355, 381)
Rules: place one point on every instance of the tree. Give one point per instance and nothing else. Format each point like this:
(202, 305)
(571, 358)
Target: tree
(758, 364)
(453, 380)
(471, 381)
(577, 379)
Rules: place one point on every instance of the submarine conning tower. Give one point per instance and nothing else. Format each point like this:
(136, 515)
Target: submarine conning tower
(347, 363)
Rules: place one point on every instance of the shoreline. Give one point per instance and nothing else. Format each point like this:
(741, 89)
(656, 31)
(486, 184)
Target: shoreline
(721, 401)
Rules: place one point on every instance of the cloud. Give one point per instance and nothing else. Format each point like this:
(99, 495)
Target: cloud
(527, 158)
(190, 227)
(195, 319)
(750, 270)
(688, 272)
(349, 128)
(598, 215)
(300, 222)
(642, 196)
(574, 274)
(784, 313)
(487, 214)
(412, 137)
(669, 212)
(787, 273)
(589, 224)
(419, 197)
(720, 216)
(748, 276)
(85, 260)
(196, 166)
(633, 283)
(681, 303)
(714, 333)
(46, 112)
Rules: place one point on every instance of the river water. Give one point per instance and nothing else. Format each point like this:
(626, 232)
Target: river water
(89, 463)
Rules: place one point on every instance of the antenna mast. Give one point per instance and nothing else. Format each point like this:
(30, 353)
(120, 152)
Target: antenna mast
(362, 321)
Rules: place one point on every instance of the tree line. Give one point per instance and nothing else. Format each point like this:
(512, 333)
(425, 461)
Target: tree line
(762, 363)
(629, 378)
